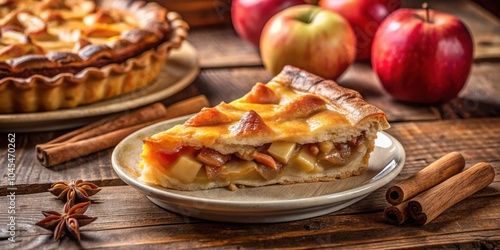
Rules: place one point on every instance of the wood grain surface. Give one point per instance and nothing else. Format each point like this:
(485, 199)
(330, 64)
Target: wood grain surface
(127, 218)
(469, 125)
(124, 211)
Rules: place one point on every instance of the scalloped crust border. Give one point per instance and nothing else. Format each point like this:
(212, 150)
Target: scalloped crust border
(67, 90)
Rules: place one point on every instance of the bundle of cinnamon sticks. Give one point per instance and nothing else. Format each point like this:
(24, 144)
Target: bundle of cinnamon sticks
(108, 132)
(437, 187)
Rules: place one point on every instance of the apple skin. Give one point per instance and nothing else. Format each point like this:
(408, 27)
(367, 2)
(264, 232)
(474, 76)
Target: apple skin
(418, 61)
(308, 37)
(365, 17)
(250, 16)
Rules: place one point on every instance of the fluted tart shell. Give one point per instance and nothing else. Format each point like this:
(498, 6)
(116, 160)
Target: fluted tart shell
(57, 54)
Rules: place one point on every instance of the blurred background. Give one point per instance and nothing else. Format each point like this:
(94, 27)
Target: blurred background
(214, 12)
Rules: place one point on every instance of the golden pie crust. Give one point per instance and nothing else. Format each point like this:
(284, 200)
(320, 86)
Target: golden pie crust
(64, 53)
(326, 131)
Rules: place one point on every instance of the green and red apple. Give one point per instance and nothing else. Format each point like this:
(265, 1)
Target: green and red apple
(306, 36)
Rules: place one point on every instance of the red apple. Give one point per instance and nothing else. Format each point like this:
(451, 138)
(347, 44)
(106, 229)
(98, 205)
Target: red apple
(306, 36)
(422, 56)
(364, 16)
(250, 16)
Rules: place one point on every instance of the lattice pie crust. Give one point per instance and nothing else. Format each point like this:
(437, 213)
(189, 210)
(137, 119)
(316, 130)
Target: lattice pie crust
(296, 128)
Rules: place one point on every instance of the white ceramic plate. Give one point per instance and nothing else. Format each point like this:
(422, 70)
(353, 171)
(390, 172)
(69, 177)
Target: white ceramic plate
(275, 203)
(179, 71)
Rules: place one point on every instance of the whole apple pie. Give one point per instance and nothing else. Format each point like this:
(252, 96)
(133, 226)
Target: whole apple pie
(64, 53)
(296, 128)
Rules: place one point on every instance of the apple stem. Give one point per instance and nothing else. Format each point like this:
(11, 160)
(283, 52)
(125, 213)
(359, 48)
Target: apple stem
(425, 6)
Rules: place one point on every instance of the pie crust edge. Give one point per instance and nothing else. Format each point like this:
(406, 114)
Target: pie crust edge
(92, 84)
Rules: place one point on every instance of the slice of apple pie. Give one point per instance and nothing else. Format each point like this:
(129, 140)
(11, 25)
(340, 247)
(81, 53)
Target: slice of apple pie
(296, 128)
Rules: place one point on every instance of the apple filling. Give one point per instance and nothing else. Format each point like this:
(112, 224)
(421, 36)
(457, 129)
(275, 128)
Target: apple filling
(264, 163)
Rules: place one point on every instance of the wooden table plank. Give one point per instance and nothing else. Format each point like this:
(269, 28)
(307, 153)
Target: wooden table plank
(221, 47)
(230, 83)
(476, 139)
(482, 85)
(124, 211)
(145, 224)
(363, 79)
(32, 177)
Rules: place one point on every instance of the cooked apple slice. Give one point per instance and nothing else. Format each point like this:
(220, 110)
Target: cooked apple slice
(43, 35)
(185, 168)
(14, 37)
(303, 160)
(237, 169)
(325, 146)
(282, 150)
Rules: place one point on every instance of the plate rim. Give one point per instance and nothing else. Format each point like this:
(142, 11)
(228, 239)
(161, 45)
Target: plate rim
(163, 194)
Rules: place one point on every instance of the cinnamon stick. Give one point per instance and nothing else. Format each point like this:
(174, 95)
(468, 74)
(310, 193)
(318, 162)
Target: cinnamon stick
(431, 203)
(148, 113)
(397, 214)
(109, 132)
(436, 172)
(54, 154)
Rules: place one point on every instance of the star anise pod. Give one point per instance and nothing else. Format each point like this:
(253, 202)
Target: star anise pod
(74, 191)
(70, 220)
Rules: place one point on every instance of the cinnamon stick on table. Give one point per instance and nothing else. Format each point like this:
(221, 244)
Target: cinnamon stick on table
(109, 132)
(148, 113)
(428, 205)
(397, 214)
(436, 172)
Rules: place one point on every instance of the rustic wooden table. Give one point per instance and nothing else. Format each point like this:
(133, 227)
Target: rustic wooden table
(469, 124)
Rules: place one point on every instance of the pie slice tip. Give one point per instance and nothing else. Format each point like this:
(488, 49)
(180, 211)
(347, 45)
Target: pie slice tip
(296, 128)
